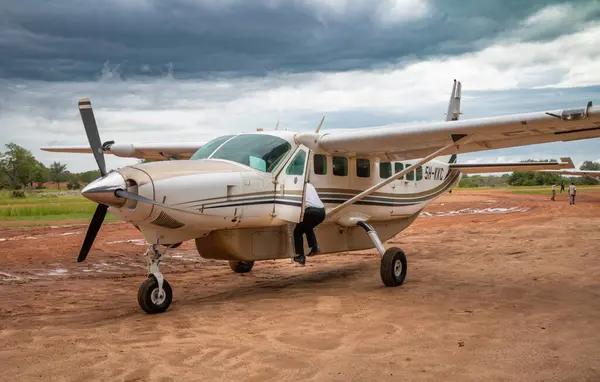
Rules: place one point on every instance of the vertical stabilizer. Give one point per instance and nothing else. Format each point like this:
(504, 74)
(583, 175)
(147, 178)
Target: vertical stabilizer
(454, 104)
(453, 114)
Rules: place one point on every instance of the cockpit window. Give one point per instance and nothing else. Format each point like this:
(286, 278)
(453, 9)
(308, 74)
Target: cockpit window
(260, 151)
(205, 151)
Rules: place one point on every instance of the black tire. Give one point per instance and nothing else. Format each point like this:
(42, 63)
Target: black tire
(241, 266)
(391, 274)
(145, 298)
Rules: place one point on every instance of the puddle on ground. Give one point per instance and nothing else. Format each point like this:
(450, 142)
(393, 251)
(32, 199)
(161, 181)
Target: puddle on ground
(38, 236)
(57, 272)
(472, 211)
(130, 241)
(8, 277)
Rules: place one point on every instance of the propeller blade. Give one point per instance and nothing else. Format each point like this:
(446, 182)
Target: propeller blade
(92, 231)
(91, 130)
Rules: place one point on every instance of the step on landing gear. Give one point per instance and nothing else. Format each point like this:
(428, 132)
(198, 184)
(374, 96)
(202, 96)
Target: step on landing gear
(155, 294)
(393, 260)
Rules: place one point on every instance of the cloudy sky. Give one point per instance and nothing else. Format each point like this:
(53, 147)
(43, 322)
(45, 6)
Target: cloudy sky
(190, 70)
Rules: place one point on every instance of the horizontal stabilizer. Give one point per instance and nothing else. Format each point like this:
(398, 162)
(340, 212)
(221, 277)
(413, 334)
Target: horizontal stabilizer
(480, 168)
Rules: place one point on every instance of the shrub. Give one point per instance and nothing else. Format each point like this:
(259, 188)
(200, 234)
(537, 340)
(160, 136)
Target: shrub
(73, 185)
(17, 194)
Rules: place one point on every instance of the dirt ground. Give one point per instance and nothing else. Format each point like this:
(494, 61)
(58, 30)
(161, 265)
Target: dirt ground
(499, 287)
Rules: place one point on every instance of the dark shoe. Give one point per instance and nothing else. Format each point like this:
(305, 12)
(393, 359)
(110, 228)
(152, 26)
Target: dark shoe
(300, 259)
(314, 251)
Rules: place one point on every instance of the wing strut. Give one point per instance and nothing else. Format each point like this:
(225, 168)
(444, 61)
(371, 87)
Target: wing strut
(457, 140)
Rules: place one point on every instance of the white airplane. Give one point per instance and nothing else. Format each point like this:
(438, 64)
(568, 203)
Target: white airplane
(239, 196)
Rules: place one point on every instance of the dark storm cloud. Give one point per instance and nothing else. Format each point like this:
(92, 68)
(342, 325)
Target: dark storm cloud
(65, 40)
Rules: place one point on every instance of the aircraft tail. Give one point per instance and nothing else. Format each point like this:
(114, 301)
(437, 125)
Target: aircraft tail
(453, 114)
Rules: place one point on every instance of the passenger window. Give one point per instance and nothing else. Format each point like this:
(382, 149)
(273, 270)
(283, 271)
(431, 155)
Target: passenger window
(385, 170)
(363, 168)
(410, 175)
(419, 173)
(340, 166)
(398, 167)
(320, 164)
(297, 165)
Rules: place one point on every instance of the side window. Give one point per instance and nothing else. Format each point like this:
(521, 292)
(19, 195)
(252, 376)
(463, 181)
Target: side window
(385, 170)
(410, 175)
(340, 166)
(297, 165)
(363, 168)
(399, 167)
(320, 164)
(419, 173)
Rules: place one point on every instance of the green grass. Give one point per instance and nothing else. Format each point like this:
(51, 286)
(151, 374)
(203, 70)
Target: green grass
(548, 190)
(39, 198)
(40, 206)
(74, 216)
(531, 190)
(47, 209)
(42, 200)
(479, 188)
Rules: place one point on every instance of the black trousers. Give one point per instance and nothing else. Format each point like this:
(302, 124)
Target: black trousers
(312, 218)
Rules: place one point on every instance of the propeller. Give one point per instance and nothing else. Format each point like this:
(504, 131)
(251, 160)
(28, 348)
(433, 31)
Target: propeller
(92, 231)
(91, 130)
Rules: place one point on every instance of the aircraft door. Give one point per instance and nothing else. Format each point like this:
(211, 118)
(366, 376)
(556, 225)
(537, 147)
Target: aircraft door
(289, 189)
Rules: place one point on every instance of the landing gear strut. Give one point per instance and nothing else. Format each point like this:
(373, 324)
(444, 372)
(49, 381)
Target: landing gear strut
(393, 260)
(155, 294)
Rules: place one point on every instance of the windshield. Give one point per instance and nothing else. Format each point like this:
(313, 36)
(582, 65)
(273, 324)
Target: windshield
(204, 151)
(259, 151)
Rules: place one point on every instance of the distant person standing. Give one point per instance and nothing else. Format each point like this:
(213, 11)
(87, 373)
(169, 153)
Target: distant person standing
(553, 192)
(572, 192)
(562, 187)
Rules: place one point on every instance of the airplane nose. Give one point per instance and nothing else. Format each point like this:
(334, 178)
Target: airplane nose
(102, 190)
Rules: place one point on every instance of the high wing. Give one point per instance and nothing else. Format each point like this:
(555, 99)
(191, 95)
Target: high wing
(158, 151)
(470, 135)
(480, 168)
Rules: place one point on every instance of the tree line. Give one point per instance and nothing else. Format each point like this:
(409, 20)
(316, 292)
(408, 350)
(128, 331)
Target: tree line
(530, 178)
(19, 169)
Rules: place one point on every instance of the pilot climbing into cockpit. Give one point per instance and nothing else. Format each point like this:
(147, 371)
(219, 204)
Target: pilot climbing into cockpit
(314, 214)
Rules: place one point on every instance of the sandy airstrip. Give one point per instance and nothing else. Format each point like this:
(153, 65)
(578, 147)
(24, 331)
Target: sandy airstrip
(499, 287)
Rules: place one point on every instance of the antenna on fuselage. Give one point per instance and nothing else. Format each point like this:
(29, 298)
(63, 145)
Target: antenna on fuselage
(320, 124)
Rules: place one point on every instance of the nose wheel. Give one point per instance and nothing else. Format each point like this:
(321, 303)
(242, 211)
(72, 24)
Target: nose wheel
(151, 298)
(155, 294)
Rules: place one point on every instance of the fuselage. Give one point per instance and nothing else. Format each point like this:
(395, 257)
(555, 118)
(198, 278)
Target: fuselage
(256, 181)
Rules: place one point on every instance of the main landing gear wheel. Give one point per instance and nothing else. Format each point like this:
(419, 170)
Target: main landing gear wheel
(241, 266)
(150, 298)
(393, 267)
